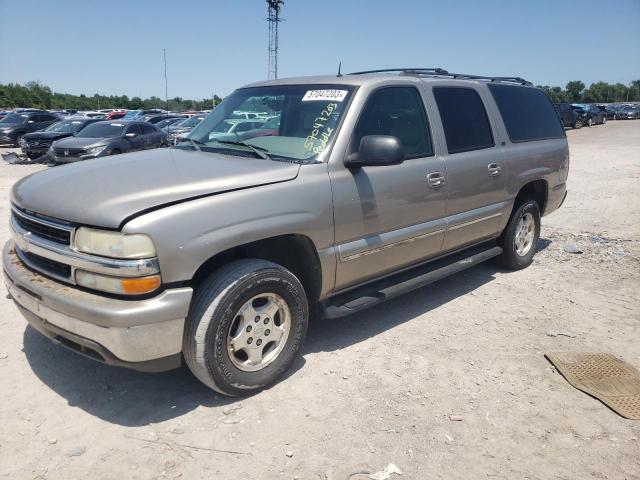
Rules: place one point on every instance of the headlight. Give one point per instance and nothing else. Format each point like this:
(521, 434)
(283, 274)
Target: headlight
(96, 150)
(117, 285)
(114, 244)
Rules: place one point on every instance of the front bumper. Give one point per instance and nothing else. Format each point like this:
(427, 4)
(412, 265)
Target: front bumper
(139, 334)
(6, 140)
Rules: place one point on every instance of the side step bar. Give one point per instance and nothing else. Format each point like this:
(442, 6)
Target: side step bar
(398, 284)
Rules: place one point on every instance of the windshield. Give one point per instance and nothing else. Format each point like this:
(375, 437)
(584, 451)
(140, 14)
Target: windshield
(102, 130)
(15, 118)
(65, 126)
(302, 121)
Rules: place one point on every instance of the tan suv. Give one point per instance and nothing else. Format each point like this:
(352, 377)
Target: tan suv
(215, 251)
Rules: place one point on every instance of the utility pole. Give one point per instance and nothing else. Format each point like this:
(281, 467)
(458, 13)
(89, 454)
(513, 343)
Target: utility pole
(274, 19)
(166, 90)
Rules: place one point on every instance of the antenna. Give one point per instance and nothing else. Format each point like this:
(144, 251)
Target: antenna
(339, 68)
(273, 19)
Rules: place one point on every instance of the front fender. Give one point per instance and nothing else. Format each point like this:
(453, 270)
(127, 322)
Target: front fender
(187, 234)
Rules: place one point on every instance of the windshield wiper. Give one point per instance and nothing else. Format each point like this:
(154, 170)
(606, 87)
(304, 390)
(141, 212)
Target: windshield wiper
(261, 152)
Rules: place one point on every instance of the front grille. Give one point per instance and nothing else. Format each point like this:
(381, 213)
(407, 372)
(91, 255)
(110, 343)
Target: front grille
(44, 230)
(69, 152)
(45, 265)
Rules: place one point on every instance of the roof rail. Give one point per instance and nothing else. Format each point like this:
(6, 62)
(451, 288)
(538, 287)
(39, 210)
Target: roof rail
(418, 70)
(440, 72)
(519, 80)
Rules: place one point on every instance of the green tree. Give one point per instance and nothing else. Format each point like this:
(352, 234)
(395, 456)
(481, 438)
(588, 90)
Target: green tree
(574, 90)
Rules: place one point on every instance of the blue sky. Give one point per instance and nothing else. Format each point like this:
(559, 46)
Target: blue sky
(115, 46)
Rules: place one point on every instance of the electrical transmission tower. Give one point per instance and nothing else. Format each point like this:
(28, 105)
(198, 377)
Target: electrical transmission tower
(273, 19)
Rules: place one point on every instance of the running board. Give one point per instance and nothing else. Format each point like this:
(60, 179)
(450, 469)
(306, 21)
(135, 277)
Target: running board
(401, 283)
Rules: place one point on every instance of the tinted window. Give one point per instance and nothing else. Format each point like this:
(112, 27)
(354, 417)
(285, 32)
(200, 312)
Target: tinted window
(15, 118)
(464, 119)
(399, 112)
(102, 130)
(527, 113)
(135, 128)
(48, 118)
(147, 129)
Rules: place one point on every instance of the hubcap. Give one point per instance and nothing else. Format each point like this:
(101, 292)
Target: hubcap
(259, 332)
(525, 233)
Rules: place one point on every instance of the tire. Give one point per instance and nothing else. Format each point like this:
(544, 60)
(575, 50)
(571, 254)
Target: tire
(216, 315)
(115, 151)
(17, 142)
(578, 124)
(589, 122)
(513, 257)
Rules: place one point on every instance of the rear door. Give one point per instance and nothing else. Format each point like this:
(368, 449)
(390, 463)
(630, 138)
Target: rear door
(150, 137)
(389, 217)
(477, 200)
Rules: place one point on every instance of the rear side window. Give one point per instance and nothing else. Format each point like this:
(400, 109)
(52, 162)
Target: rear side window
(147, 129)
(464, 119)
(527, 113)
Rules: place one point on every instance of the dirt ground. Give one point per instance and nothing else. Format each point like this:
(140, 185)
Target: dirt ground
(381, 386)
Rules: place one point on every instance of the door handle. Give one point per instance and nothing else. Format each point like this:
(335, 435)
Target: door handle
(494, 169)
(435, 179)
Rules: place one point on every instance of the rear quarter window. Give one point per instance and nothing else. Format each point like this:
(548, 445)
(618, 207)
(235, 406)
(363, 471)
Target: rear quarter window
(527, 113)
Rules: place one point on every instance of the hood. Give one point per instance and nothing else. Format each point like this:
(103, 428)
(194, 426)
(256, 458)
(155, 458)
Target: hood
(81, 142)
(106, 191)
(45, 135)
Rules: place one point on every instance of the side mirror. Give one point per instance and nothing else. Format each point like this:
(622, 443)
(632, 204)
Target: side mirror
(376, 151)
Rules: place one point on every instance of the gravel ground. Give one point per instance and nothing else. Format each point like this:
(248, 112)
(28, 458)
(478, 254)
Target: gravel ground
(447, 382)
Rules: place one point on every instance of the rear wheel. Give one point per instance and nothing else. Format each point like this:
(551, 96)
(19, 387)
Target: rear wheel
(245, 326)
(17, 142)
(578, 124)
(520, 237)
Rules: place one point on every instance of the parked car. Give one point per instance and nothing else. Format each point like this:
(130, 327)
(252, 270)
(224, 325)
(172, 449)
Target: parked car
(134, 114)
(4, 113)
(36, 144)
(235, 128)
(116, 114)
(181, 129)
(15, 125)
(593, 115)
(629, 112)
(571, 116)
(216, 251)
(610, 111)
(157, 117)
(107, 138)
(169, 121)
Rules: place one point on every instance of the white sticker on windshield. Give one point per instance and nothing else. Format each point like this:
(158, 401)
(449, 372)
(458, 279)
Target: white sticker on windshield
(332, 95)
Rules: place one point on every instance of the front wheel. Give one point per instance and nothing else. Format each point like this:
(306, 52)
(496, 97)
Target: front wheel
(520, 237)
(245, 326)
(578, 124)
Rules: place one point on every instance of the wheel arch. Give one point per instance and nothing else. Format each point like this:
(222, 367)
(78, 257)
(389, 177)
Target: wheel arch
(295, 252)
(537, 190)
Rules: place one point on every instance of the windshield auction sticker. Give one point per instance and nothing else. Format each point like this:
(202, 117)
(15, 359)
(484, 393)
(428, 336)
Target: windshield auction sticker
(324, 95)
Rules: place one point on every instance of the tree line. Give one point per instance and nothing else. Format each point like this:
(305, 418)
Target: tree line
(599, 92)
(36, 95)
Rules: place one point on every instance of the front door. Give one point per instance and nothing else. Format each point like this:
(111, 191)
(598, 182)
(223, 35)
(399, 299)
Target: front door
(388, 217)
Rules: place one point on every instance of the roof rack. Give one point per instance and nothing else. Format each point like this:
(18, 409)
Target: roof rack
(419, 70)
(441, 72)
